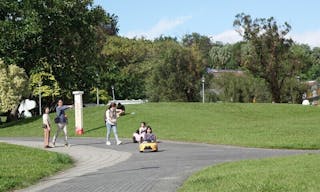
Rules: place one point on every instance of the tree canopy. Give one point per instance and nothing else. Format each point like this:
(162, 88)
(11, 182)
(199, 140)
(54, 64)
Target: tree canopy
(61, 46)
(66, 35)
(13, 86)
(267, 53)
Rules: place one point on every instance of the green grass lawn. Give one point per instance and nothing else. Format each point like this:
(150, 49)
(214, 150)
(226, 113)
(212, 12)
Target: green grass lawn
(285, 174)
(254, 125)
(24, 166)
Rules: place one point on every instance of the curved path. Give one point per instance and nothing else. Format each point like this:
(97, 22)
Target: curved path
(124, 168)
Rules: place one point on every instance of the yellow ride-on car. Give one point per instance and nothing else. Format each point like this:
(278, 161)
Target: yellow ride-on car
(151, 146)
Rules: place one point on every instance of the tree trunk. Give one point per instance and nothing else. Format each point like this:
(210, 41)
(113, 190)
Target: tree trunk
(12, 115)
(276, 94)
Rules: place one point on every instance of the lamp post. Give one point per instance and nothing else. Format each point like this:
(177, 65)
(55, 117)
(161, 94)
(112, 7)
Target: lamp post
(113, 97)
(40, 111)
(202, 80)
(98, 89)
(97, 96)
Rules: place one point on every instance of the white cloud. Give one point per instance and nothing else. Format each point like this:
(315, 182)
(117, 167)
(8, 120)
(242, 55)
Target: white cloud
(312, 38)
(162, 27)
(229, 36)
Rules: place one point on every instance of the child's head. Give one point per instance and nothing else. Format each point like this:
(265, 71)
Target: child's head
(143, 124)
(149, 129)
(112, 105)
(46, 110)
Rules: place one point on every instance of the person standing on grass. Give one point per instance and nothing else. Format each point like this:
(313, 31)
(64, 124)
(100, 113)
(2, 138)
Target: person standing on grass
(111, 123)
(46, 125)
(61, 122)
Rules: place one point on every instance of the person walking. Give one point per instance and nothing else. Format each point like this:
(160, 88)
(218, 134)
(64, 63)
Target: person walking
(111, 123)
(61, 121)
(46, 125)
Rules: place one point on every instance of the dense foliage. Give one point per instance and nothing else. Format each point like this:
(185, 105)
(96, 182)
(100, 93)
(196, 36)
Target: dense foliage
(13, 86)
(72, 45)
(62, 38)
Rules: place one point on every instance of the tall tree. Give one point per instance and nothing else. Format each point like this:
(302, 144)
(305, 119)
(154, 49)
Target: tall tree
(267, 53)
(314, 71)
(68, 35)
(200, 42)
(176, 73)
(125, 66)
(13, 87)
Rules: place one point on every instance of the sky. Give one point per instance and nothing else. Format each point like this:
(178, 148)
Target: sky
(212, 18)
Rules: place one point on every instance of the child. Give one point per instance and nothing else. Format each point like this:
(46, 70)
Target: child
(140, 132)
(111, 123)
(149, 136)
(46, 127)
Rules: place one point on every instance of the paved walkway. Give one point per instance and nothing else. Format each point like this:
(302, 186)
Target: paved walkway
(124, 168)
(87, 160)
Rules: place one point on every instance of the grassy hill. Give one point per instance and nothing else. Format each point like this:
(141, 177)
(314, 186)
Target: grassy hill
(254, 125)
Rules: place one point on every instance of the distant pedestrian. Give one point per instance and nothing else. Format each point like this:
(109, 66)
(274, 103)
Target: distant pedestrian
(111, 123)
(61, 120)
(46, 125)
(121, 109)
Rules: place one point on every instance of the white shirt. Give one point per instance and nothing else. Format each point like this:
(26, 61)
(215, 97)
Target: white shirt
(111, 117)
(45, 119)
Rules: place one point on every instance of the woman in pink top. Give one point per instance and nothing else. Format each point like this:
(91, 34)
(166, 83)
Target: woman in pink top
(139, 134)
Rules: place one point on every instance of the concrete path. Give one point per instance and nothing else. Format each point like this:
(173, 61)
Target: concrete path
(87, 160)
(124, 168)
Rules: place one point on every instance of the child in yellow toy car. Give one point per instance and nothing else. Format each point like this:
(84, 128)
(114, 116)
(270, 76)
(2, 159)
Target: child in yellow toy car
(149, 141)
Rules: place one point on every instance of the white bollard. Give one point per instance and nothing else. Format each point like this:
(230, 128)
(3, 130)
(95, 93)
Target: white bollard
(78, 107)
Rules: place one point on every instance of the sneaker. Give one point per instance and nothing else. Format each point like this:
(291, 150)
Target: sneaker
(53, 145)
(108, 143)
(67, 145)
(119, 142)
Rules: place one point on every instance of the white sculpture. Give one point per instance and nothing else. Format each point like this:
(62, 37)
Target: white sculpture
(305, 102)
(25, 106)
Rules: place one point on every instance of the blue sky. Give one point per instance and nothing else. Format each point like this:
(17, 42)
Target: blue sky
(151, 18)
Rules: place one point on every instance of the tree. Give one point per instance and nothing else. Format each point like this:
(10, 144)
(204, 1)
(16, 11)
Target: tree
(200, 42)
(125, 66)
(314, 71)
(176, 73)
(267, 52)
(231, 87)
(13, 87)
(220, 56)
(45, 84)
(203, 43)
(68, 35)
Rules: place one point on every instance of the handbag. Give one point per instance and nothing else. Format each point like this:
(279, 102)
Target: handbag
(57, 119)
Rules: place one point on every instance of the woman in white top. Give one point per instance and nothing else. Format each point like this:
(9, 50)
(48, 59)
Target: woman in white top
(46, 127)
(111, 123)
